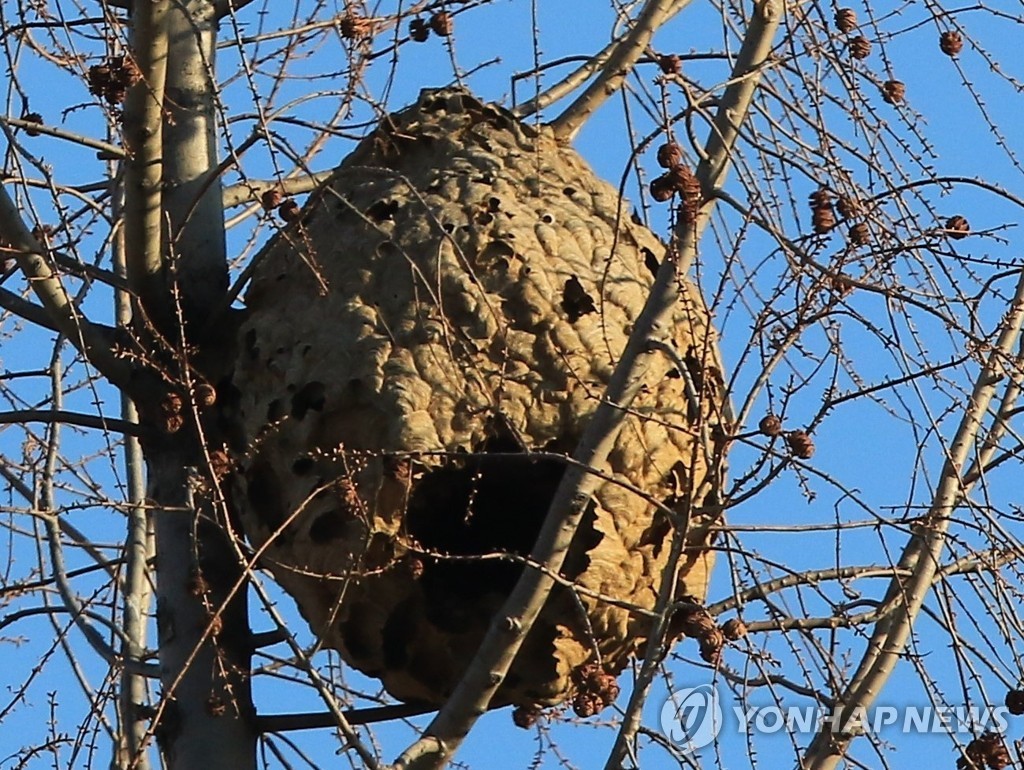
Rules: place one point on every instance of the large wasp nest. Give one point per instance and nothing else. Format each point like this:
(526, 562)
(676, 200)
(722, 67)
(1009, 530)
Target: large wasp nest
(423, 347)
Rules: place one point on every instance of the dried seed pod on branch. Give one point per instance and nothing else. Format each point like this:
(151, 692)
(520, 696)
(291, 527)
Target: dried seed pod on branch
(951, 43)
(823, 215)
(447, 344)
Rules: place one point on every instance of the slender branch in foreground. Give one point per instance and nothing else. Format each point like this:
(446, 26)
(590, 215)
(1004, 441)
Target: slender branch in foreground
(94, 341)
(54, 416)
(612, 76)
(279, 723)
(730, 115)
(247, 192)
(53, 540)
(138, 578)
(514, 620)
(921, 555)
(111, 151)
(24, 309)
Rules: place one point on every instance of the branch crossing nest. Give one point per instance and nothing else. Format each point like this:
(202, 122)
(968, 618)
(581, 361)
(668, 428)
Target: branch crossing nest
(423, 346)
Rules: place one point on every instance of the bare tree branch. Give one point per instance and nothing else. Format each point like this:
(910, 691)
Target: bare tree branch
(95, 342)
(55, 416)
(922, 554)
(144, 223)
(623, 56)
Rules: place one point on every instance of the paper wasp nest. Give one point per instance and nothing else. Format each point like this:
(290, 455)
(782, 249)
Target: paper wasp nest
(450, 304)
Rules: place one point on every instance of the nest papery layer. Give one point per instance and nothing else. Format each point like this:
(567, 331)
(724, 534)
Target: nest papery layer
(421, 347)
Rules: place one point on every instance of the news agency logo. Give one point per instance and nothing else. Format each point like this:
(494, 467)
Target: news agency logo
(692, 718)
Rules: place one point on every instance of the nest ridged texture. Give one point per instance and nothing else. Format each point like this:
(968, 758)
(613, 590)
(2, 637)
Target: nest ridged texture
(421, 347)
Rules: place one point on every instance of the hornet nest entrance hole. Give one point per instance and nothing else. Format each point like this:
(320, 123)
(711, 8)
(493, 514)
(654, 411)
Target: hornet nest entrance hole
(491, 502)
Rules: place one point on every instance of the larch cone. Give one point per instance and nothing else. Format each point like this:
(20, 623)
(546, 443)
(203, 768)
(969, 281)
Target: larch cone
(422, 348)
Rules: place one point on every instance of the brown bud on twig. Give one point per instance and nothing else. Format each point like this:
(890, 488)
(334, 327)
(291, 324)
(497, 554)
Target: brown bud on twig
(112, 79)
(823, 219)
(988, 749)
(957, 227)
(288, 210)
(711, 647)
(734, 629)
(800, 444)
(662, 188)
(355, 27)
(419, 30)
(220, 463)
(32, 117)
(894, 91)
(841, 285)
(860, 47)
(685, 183)
(271, 199)
(846, 20)
(694, 622)
(525, 716)
(670, 154)
(951, 43)
(823, 216)
(670, 64)
(441, 23)
(770, 425)
(594, 689)
(205, 394)
(848, 207)
(859, 234)
(1015, 702)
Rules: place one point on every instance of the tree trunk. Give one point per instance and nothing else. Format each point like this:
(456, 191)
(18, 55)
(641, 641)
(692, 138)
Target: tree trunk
(204, 657)
(205, 645)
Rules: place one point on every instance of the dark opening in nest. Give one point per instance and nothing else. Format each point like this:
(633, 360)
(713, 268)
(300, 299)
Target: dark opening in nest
(490, 503)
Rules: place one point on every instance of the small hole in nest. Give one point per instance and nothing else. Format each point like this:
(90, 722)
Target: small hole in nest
(265, 496)
(382, 210)
(575, 301)
(250, 344)
(275, 410)
(303, 465)
(329, 526)
(650, 261)
(569, 191)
